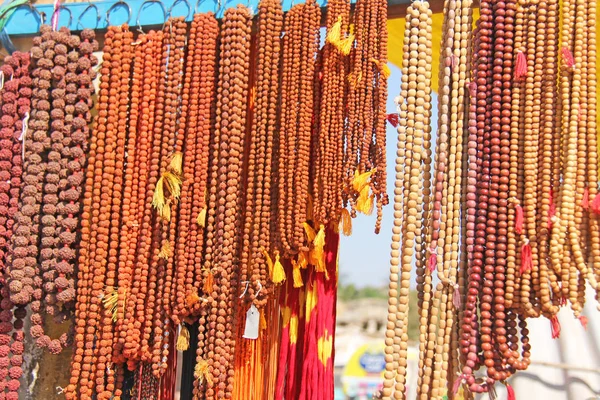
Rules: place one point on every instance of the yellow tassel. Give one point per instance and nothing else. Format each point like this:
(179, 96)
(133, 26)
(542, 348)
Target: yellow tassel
(278, 272)
(302, 260)
(183, 339)
(310, 232)
(165, 213)
(364, 203)
(319, 250)
(383, 67)
(362, 180)
(354, 80)
(385, 71)
(263, 321)
(192, 299)
(201, 220)
(201, 372)
(296, 274)
(158, 200)
(335, 33)
(165, 251)
(268, 260)
(173, 184)
(177, 163)
(209, 281)
(345, 46)
(346, 222)
(110, 300)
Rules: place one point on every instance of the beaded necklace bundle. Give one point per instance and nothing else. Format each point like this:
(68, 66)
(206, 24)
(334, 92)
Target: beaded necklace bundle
(504, 229)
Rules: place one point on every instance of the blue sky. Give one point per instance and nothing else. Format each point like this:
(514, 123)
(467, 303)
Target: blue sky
(364, 256)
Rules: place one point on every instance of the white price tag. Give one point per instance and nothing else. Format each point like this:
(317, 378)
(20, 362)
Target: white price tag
(252, 323)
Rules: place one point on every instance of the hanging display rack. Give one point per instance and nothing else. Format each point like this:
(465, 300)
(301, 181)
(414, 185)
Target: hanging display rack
(98, 15)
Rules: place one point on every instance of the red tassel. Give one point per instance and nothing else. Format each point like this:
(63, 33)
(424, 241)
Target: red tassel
(584, 321)
(567, 57)
(563, 301)
(555, 326)
(585, 202)
(472, 86)
(596, 204)
(520, 66)
(454, 61)
(457, 383)
(393, 119)
(511, 392)
(526, 261)
(432, 262)
(456, 298)
(519, 219)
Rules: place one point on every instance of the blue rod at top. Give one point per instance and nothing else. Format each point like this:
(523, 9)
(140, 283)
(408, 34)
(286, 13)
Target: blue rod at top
(25, 21)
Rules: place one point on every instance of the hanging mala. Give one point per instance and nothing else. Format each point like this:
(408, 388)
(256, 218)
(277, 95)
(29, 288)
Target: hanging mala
(408, 178)
(225, 194)
(16, 106)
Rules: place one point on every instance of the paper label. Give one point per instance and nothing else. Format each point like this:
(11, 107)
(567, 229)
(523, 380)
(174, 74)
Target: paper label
(252, 323)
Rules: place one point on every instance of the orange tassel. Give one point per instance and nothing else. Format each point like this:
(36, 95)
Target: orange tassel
(192, 299)
(584, 321)
(209, 282)
(346, 222)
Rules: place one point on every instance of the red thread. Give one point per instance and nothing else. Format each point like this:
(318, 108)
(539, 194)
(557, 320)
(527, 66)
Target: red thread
(568, 57)
(520, 66)
(526, 261)
(555, 327)
(585, 202)
(432, 262)
(584, 321)
(511, 392)
(393, 119)
(519, 219)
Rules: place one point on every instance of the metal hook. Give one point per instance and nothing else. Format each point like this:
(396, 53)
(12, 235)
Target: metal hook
(198, 2)
(162, 6)
(41, 15)
(120, 3)
(57, 13)
(98, 17)
(187, 5)
(260, 288)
